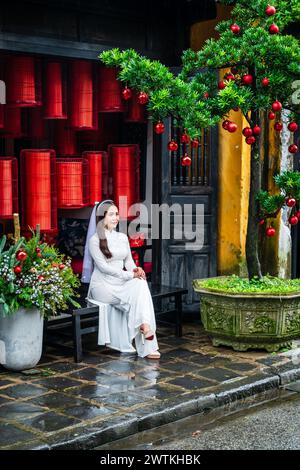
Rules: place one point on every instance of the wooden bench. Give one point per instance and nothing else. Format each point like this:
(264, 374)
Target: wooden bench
(89, 315)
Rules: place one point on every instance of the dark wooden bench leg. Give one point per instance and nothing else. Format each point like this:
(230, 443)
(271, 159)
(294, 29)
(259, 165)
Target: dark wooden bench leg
(178, 307)
(77, 338)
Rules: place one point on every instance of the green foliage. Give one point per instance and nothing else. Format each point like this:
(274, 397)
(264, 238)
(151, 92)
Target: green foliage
(46, 280)
(288, 184)
(237, 285)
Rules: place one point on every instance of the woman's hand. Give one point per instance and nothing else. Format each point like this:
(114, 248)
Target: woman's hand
(140, 273)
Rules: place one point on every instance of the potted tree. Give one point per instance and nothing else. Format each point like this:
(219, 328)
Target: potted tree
(261, 66)
(35, 282)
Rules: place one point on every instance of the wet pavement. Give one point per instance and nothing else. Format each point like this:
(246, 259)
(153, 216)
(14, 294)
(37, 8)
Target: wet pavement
(108, 396)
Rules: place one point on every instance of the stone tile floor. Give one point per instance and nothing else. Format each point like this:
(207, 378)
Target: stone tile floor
(59, 396)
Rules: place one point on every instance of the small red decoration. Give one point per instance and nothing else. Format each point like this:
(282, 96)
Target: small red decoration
(206, 94)
(250, 140)
(221, 85)
(270, 232)
(230, 76)
(17, 269)
(159, 128)
(247, 79)
(186, 160)
(271, 115)
(225, 124)
(21, 255)
(247, 132)
(143, 97)
(273, 29)
(232, 127)
(127, 94)
(278, 126)
(298, 214)
(235, 28)
(276, 106)
(291, 202)
(195, 143)
(261, 222)
(270, 10)
(184, 138)
(256, 130)
(293, 148)
(61, 266)
(265, 82)
(293, 220)
(172, 146)
(293, 126)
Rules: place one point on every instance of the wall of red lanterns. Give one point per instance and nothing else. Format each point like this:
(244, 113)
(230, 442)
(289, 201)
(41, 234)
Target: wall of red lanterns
(71, 95)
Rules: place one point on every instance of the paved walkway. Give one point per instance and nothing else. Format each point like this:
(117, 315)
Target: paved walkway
(63, 405)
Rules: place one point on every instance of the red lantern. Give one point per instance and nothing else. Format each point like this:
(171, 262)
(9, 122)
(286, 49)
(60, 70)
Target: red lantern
(36, 124)
(109, 91)
(65, 139)
(136, 111)
(38, 189)
(95, 160)
(55, 92)
(125, 160)
(72, 183)
(8, 187)
(14, 123)
(1, 116)
(23, 83)
(83, 113)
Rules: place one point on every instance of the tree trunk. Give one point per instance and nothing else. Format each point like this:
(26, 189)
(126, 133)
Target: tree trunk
(253, 263)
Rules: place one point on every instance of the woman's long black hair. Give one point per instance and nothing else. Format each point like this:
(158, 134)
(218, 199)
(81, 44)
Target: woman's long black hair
(101, 228)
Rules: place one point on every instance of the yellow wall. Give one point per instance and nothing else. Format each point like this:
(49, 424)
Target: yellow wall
(233, 173)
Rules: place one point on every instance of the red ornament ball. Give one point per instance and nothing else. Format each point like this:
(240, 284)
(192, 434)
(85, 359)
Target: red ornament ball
(270, 232)
(235, 28)
(250, 140)
(293, 126)
(230, 76)
(290, 202)
(265, 81)
(293, 148)
(256, 130)
(17, 269)
(298, 214)
(236, 109)
(159, 128)
(221, 85)
(41, 278)
(261, 222)
(172, 146)
(184, 139)
(273, 29)
(271, 115)
(186, 160)
(270, 10)
(293, 220)
(232, 127)
(143, 97)
(278, 126)
(206, 94)
(225, 124)
(195, 143)
(247, 132)
(127, 94)
(276, 106)
(21, 255)
(61, 266)
(247, 79)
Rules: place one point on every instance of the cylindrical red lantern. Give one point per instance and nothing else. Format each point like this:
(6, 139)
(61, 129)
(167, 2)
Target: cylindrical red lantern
(95, 161)
(8, 187)
(72, 183)
(136, 111)
(55, 92)
(65, 139)
(38, 189)
(109, 91)
(23, 82)
(82, 96)
(125, 172)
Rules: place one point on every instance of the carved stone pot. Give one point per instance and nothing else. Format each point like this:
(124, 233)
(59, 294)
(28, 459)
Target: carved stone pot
(249, 321)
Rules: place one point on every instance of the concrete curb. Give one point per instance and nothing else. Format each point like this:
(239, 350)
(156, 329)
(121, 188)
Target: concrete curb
(91, 436)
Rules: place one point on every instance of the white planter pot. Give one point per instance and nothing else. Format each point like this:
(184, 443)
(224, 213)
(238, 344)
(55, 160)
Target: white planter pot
(21, 339)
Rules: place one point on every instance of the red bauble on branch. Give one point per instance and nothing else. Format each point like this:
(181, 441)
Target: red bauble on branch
(126, 93)
(17, 269)
(232, 127)
(265, 82)
(276, 106)
(290, 202)
(270, 232)
(293, 126)
(221, 85)
(195, 143)
(206, 94)
(247, 79)
(225, 124)
(293, 220)
(185, 160)
(293, 148)
(247, 132)
(159, 128)
(230, 76)
(278, 126)
(270, 10)
(273, 29)
(184, 138)
(21, 255)
(143, 97)
(271, 115)
(235, 28)
(256, 130)
(250, 140)
(172, 146)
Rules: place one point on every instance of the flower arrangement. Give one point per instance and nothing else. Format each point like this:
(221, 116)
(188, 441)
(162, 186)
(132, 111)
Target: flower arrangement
(35, 274)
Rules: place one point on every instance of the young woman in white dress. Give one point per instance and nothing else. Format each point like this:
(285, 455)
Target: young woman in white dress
(109, 283)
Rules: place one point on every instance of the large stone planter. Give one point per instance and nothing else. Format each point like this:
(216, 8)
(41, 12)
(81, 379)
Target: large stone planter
(21, 339)
(253, 321)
